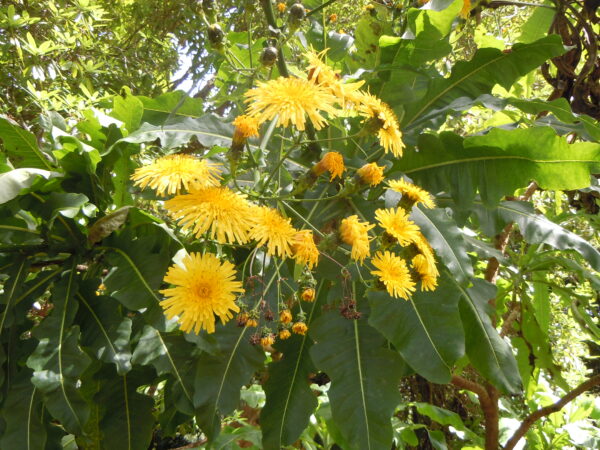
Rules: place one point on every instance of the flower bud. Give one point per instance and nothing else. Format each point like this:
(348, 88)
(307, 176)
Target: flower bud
(215, 35)
(268, 57)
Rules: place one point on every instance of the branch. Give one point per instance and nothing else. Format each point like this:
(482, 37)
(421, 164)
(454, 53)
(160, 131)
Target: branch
(546, 411)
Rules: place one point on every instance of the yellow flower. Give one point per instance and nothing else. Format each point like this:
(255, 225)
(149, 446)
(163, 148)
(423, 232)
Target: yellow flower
(323, 75)
(396, 223)
(466, 9)
(425, 249)
(284, 334)
(385, 119)
(291, 99)
(332, 162)
(304, 248)
(169, 174)
(285, 316)
(308, 295)
(271, 228)
(394, 274)
(204, 287)
(371, 174)
(226, 214)
(413, 192)
(245, 127)
(333, 18)
(355, 233)
(299, 328)
(267, 341)
(428, 273)
(281, 7)
(252, 323)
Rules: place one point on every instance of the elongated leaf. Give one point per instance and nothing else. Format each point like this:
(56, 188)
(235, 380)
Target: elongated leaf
(58, 362)
(12, 290)
(364, 379)
(487, 351)
(427, 330)
(499, 163)
(219, 377)
(446, 417)
(21, 146)
(208, 129)
(105, 330)
(127, 419)
(11, 183)
(487, 68)
(172, 355)
(172, 105)
(22, 413)
(290, 401)
(445, 237)
(536, 229)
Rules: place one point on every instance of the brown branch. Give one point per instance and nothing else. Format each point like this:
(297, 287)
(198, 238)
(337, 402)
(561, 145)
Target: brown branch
(546, 411)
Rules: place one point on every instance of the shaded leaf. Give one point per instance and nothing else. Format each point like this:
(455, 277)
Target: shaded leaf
(108, 224)
(21, 146)
(427, 330)
(364, 379)
(172, 105)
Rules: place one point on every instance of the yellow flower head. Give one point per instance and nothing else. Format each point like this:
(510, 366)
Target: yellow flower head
(390, 136)
(245, 127)
(397, 224)
(323, 75)
(284, 334)
(394, 274)
(252, 323)
(285, 316)
(291, 99)
(332, 162)
(226, 214)
(428, 273)
(304, 248)
(356, 233)
(281, 7)
(333, 18)
(267, 340)
(169, 174)
(299, 328)
(271, 228)
(413, 192)
(371, 174)
(466, 9)
(308, 295)
(204, 288)
(425, 249)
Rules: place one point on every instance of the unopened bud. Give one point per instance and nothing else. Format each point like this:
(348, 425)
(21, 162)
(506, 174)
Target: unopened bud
(268, 56)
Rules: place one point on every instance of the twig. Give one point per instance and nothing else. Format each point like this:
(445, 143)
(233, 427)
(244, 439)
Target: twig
(546, 411)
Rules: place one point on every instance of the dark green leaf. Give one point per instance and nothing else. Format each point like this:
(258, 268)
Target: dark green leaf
(487, 351)
(12, 290)
(427, 330)
(364, 378)
(21, 146)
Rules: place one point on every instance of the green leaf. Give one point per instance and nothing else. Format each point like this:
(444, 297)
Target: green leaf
(427, 330)
(487, 351)
(170, 105)
(219, 377)
(105, 330)
(21, 146)
(128, 110)
(11, 183)
(445, 417)
(536, 26)
(364, 378)
(447, 240)
(108, 224)
(127, 416)
(499, 162)
(290, 401)
(208, 129)
(12, 290)
(478, 76)
(58, 362)
(22, 413)
(537, 229)
(170, 354)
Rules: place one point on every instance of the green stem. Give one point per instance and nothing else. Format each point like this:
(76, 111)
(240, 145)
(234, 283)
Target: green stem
(319, 8)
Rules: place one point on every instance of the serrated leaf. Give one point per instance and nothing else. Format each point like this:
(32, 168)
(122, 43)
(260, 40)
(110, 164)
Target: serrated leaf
(21, 146)
(57, 361)
(364, 379)
(170, 354)
(289, 399)
(208, 129)
(22, 413)
(219, 377)
(447, 240)
(11, 183)
(426, 331)
(487, 68)
(498, 163)
(487, 351)
(105, 330)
